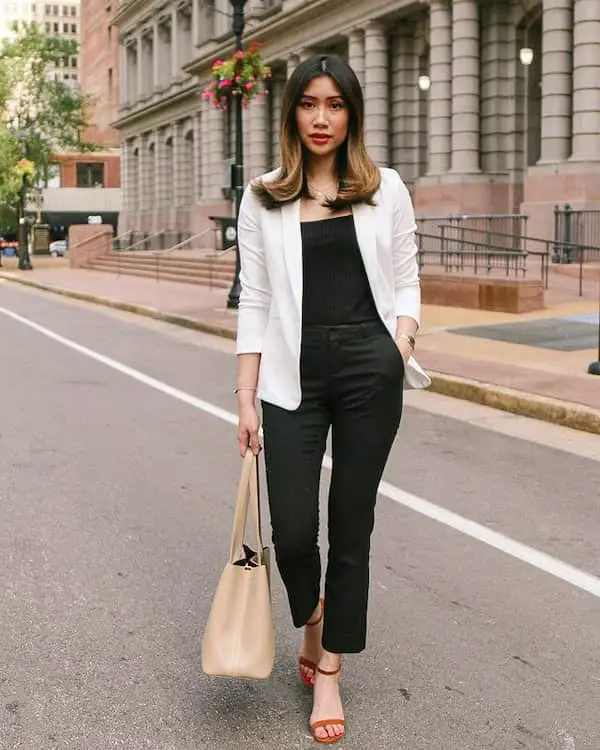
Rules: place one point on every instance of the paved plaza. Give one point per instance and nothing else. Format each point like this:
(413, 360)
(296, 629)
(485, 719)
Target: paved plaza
(118, 471)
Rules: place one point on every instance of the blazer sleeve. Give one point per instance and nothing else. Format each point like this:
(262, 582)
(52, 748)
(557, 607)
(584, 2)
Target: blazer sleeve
(407, 285)
(255, 294)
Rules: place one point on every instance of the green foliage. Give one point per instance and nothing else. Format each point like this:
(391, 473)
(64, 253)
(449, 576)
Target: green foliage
(39, 115)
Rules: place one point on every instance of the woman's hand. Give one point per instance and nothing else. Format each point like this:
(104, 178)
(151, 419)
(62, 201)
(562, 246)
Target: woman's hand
(248, 424)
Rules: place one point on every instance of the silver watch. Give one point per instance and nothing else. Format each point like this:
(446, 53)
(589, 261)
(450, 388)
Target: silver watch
(407, 337)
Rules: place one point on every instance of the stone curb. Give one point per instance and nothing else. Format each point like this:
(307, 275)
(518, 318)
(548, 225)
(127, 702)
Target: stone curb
(565, 413)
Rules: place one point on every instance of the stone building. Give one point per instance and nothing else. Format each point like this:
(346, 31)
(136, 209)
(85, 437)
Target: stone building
(481, 105)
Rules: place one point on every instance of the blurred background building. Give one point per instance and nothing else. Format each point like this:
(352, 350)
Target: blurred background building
(483, 106)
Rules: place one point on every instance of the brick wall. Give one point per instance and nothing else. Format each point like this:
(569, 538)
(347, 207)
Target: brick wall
(68, 168)
(99, 68)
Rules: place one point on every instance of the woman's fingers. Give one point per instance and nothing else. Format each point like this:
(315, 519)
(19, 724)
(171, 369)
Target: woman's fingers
(243, 438)
(254, 442)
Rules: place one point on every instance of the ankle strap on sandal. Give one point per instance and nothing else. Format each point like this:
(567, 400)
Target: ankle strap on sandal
(312, 623)
(329, 674)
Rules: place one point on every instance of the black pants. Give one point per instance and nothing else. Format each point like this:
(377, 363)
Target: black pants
(351, 378)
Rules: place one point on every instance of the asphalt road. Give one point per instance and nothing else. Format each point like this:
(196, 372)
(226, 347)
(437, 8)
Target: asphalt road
(115, 508)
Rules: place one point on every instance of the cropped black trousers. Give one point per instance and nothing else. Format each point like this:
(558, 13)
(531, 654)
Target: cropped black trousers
(351, 379)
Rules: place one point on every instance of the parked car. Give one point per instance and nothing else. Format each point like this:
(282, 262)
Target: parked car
(58, 248)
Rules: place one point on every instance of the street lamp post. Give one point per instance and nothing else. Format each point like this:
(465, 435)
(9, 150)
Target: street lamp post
(237, 169)
(24, 259)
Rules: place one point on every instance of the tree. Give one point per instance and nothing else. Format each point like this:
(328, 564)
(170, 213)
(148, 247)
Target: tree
(40, 114)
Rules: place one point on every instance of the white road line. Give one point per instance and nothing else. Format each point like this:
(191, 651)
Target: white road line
(511, 547)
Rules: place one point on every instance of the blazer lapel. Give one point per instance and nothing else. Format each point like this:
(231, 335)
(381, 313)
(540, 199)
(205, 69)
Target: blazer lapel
(291, 242)
(366, 234)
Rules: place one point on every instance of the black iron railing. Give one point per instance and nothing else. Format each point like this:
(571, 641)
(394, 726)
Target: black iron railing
(483, 257)
(501, 230)
(478, 257)
(576, 234)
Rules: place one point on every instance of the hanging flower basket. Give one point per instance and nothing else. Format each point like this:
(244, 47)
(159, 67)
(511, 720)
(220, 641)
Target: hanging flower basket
(24, 167)
(243, 74)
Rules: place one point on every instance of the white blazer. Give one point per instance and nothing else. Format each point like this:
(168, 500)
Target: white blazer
(270, 309)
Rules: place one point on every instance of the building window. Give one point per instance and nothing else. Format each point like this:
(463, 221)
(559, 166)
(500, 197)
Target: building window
(48, 27)
(65, 10)
(90, 174)
(48, 10)
(55, 10)
(73, 10)
(55, 28)
(52, 175)
(73, 28)
(73, 62)
(65, 76)
(34, 9)
(65, 28)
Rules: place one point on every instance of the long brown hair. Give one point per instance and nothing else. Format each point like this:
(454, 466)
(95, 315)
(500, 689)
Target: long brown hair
(359, 177)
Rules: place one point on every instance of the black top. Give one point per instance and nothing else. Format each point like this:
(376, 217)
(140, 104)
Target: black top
(336, 289)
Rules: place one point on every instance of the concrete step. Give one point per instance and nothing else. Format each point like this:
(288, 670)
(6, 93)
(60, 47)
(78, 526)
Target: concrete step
(205, 271)
(221, 281)
(171, 261)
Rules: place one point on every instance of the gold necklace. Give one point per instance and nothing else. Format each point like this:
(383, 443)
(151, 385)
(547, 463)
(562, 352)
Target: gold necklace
(321, 195)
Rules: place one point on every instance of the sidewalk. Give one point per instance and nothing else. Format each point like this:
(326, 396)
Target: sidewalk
(525, 378)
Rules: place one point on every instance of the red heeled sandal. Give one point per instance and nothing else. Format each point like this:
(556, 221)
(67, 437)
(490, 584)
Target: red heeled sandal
(323, 723)
(303, 661)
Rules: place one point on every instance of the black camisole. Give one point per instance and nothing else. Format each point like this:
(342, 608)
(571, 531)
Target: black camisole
(336, 288)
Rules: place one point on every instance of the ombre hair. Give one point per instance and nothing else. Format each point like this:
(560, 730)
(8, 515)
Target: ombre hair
(359, 177)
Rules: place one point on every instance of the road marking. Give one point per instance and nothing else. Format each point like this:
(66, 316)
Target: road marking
(540, 560)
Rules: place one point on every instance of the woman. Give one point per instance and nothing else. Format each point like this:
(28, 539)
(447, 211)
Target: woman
(328, 312)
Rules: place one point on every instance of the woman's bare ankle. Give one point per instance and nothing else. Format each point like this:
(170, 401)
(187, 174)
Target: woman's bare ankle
(330, 661)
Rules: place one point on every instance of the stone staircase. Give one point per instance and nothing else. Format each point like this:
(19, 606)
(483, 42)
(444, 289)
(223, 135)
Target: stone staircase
(203, 267)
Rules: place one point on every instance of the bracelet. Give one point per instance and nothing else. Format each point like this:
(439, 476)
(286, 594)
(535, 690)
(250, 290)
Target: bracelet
(244, 388)
(407, 337)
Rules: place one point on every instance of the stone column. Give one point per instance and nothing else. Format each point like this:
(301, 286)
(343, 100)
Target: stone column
(139, 72)
(198, 160)
(556, 82)
(205, 149)
(174, 44)
(178, 169)
(292, 63)
(123, 74)
(276, 95)
(376, 94)
(258, 126)
(404, 95)
(215, 136)
(133, 176)
(465, 87)
(586, 80)
(143, 168)
(440, 93)
(156, 56)
(125, 165)
(356, 53)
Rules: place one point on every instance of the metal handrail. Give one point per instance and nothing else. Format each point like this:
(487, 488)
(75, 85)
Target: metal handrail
(184, 242)
(142, 242)
(483, 249)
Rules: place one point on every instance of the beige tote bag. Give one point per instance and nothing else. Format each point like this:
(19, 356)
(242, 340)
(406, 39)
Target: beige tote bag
(239, 640)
